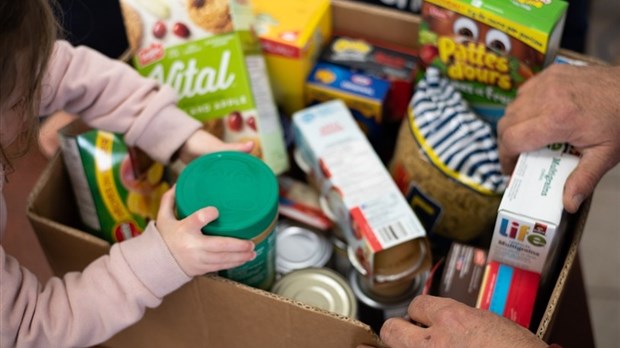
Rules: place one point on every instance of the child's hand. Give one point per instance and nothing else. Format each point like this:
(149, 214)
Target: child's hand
(203, 142)
(196, 253)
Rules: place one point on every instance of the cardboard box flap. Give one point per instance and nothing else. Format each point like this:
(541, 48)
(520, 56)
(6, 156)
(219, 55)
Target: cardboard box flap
(576, 225)
(359, 20)
(249, 317)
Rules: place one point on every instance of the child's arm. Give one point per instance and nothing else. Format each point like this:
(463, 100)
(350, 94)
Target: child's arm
(112, 96)
(86, 308)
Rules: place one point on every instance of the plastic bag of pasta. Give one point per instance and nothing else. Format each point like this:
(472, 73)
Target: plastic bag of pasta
(446, 163)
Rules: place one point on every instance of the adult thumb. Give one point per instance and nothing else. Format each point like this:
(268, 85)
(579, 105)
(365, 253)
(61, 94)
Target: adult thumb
(582, 181)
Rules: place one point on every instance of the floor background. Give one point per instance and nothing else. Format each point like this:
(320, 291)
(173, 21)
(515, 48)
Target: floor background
(600, 246)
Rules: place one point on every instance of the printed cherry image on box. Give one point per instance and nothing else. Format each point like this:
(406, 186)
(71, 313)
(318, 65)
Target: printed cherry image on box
(207, 51)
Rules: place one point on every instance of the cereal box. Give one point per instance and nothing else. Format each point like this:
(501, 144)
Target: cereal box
(530, 217)
(490, 47)
(292, 34)
(207, 52)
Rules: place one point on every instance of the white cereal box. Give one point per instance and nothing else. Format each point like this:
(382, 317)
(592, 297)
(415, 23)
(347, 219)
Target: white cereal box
(530, 217)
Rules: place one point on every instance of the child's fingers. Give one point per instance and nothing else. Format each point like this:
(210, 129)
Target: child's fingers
(200, 218)
(166, 207)
(226, 244)
(225, 258)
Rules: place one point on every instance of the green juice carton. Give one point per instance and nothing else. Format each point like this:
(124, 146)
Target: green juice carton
(208, 52)
(488, 48)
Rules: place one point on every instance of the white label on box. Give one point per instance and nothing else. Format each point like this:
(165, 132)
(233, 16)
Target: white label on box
(531, 209)
(340, 154)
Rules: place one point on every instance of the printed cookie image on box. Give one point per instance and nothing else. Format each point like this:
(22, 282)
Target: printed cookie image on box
(208, 52)
(490, 47)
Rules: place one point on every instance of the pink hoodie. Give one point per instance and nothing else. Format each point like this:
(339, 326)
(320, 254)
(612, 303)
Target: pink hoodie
(83, 309)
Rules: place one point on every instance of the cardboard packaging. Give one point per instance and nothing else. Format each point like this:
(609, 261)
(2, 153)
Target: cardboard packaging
(462, 274)
(364, 95)
(211, 57)
(531, 221)
(510, 292)
(490, 47)
(359, 191)
(118, 189)
(394, 64)
(292, 34)
(215, 312)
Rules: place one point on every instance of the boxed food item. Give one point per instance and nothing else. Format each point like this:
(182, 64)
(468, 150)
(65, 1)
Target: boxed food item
(221, 313)
(364, 95)
(118, 188)
(292, 34)
(510, 292)
(463, 272)
(531, 219)
(489, 48)
(299, 201)
(395, 64)
(358, 189)
(207, 52)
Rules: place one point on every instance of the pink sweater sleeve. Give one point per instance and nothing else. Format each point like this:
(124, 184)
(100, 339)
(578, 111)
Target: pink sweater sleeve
(86, 308)
(112, 96)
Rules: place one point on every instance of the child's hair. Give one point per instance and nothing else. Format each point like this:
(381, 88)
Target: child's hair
(28, 30)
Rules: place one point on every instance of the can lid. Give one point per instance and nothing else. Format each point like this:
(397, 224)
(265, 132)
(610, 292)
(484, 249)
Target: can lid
(378, 302)
(242, 187)
(319, 287)
(298, 248)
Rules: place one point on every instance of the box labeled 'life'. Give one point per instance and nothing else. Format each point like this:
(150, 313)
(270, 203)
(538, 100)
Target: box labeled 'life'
(530, 216)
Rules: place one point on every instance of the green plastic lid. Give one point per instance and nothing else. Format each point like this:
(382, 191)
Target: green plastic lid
(242, 187)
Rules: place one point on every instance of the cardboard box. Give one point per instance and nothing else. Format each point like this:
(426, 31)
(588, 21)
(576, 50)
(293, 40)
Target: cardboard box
(292, 34)
(215, 312)
(489, 48)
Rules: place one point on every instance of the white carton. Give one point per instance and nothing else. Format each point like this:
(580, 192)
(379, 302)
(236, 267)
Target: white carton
(529, 221)
(359, 191)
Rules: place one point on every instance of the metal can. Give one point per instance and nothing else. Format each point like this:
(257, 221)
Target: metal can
(319, 287)
(245, 192)
(375, 309)
(299, 247)
(395, 269)
(340, 258)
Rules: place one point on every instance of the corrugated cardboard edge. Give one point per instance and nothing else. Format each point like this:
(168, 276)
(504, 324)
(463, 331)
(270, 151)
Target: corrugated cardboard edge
(550, 312)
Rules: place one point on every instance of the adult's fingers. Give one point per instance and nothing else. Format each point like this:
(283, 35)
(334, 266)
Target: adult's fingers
(423, 307)
(529, 135)
(584, 178)
(400, 333)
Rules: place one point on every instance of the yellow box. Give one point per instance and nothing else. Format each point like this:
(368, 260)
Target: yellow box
(292, 34)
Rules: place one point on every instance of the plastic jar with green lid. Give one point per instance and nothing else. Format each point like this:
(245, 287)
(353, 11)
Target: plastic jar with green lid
(245, 192)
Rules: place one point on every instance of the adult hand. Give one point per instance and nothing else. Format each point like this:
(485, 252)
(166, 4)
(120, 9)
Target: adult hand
(567, 104)
(196, 253)
(448, 323)
(203, 142)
